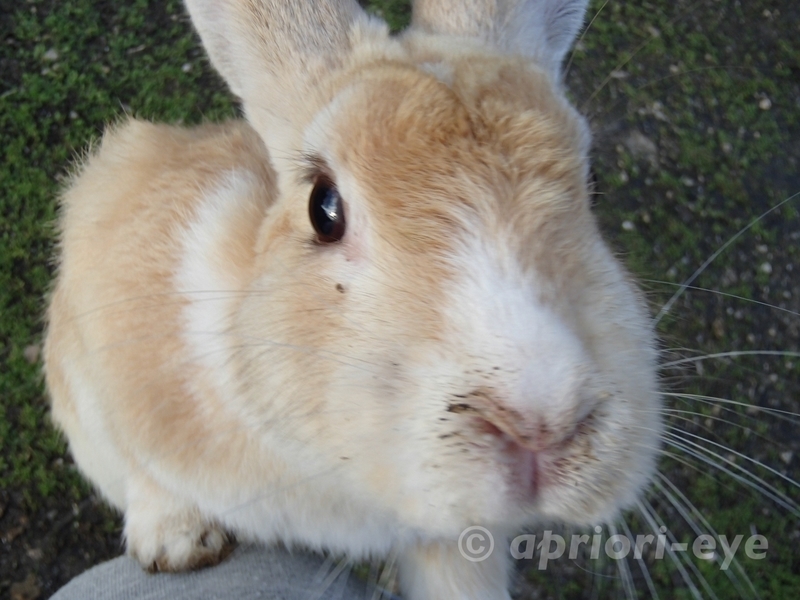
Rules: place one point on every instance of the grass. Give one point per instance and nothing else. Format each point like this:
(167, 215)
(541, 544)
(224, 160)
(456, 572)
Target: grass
(712, 87)
(69, 66)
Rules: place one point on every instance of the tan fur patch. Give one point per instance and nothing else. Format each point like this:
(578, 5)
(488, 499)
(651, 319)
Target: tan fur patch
(120, 243)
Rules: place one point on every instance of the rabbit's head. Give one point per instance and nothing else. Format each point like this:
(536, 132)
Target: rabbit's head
(441, 325)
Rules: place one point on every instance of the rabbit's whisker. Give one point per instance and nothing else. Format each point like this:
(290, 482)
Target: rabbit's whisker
(723, 294)
(342, 567)
(580, 39)
(624, 571)
(713, 400)
(732, 354)
(682, 436)
(656, 524)
(749, 479)
(647, 41)
(679, 500)
(684, 286)
(640, 560)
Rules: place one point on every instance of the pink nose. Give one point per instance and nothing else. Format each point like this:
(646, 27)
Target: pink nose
(529, 443)
(529, 429)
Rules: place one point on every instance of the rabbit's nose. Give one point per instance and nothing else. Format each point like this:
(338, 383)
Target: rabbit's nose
(539, 426)
(528, 442)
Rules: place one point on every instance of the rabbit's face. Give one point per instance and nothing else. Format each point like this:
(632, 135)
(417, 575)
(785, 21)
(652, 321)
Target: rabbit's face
(464, 349)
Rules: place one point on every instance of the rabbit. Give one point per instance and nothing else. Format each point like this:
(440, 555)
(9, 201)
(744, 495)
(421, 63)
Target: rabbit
(375, 312)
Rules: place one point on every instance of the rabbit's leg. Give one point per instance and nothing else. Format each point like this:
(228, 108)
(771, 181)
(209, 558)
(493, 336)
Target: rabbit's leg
(166, 533)
(441, 570)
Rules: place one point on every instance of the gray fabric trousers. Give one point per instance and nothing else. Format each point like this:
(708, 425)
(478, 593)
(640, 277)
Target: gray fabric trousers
(250, 572)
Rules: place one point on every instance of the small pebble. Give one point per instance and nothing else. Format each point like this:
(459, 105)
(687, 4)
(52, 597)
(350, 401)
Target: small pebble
(35, 554)
(50, 55)
(718, 327)
(26, 590)
(628, 226)
(765, 268)
(31, 353)
(658, 111)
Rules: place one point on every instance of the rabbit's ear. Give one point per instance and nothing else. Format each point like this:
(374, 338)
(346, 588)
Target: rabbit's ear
(540, 29)
(273, 53)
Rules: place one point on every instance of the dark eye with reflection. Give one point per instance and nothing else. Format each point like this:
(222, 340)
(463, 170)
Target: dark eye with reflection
(326, 210)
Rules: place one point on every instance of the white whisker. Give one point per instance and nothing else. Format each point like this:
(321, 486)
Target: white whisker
(724, 295)
(651, 517)
(683, 287)
(387, 576)
(681, 506)
(317, 592)
(716, 400)
(624, 571)
(732, 354)
(580, 39)
(745, 457)
(642, 566)
(750, 480)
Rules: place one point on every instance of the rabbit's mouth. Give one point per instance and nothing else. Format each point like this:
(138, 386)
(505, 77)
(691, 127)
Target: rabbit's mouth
(535, 464)
(535, 453)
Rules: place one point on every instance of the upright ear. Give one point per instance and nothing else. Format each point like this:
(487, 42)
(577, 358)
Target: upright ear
(543, 30)
(273, 53)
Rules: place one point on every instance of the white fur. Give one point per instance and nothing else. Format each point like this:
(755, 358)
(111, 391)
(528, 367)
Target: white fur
(87, 431)
(542, 30)
(210, 286)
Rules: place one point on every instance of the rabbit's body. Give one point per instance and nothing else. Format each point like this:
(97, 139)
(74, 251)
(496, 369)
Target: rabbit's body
(117, 362)
(466, 352)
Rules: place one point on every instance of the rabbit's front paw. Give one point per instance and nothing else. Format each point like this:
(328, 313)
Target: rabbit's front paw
(164, 534)
(180, 547)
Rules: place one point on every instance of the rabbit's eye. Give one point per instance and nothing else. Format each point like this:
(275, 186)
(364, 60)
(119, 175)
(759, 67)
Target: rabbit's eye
(326, 209)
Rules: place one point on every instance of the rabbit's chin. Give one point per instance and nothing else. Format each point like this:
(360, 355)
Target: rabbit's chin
(542, 485)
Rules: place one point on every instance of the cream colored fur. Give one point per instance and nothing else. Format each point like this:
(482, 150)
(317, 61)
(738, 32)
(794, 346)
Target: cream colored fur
(218, 371)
